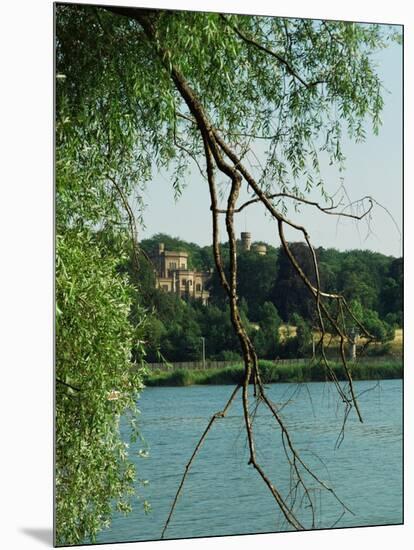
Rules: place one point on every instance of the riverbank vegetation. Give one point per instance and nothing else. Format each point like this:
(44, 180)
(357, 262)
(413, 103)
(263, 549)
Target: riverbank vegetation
(272, 372)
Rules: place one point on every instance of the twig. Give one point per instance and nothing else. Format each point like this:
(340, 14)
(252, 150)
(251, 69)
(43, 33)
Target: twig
(270, 52)
(67, 385)
(220, 414)
(330, 210)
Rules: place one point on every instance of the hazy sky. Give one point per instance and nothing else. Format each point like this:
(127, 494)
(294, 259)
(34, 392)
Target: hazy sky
(373, 168)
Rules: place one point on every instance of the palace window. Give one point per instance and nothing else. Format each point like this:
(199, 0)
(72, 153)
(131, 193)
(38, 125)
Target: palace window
(198, 287)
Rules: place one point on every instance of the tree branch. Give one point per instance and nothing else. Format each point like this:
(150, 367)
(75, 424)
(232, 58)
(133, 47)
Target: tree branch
(325, 209)
(220, 155)
(67, 385)
(270, 52)
(220, 414)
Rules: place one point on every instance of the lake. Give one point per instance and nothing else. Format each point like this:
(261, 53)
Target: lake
(224, 496)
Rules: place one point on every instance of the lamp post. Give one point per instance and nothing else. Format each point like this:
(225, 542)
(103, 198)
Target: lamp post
(353, 338)
(204, 351)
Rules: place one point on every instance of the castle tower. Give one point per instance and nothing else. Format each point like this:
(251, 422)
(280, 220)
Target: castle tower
(246, 239)
(160, 260)
(261, 249)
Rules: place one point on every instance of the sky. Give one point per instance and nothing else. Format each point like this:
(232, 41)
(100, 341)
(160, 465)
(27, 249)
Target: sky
(373, 168)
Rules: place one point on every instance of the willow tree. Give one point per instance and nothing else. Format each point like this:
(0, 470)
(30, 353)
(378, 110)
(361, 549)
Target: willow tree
(142, 89)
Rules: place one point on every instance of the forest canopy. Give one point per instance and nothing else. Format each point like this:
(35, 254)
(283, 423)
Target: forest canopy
(268, 285)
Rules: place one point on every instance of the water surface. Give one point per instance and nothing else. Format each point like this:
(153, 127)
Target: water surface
(223, 495)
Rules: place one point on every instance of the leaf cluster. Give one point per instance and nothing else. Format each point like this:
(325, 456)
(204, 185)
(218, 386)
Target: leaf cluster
(96, 384)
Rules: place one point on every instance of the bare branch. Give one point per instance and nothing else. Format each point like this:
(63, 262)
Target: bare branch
(331, 210)
(220, 414)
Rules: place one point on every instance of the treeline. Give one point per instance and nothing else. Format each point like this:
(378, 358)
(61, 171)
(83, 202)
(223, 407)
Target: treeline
(271, 295)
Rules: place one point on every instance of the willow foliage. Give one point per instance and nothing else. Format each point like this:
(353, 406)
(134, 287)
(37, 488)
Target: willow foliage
(96, 383)
(295, 84)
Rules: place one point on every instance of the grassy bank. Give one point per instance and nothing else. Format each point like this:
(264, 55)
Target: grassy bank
(273, 373)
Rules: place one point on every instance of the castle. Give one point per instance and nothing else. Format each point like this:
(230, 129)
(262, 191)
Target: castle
(173, 275)
(246, 242)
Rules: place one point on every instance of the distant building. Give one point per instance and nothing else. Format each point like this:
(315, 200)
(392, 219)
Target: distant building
(246, 242)
(173, 275)
(261, 249)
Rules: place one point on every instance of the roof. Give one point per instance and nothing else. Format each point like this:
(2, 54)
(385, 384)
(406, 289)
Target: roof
(175, 253)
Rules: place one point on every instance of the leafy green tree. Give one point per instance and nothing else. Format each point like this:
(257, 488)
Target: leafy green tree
(155, 334)
(182, 340)
(289, 294)
(266, 338)
(215, 325)
(256, 277)
(172, 328)
(303, 336)
(369, 278)
(217, 294)
(381, 330)
(96, 382)
(358, 280)
(392, 293)
(357, 311)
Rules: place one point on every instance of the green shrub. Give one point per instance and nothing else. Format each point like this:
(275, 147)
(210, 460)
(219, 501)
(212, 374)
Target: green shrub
(276, 372)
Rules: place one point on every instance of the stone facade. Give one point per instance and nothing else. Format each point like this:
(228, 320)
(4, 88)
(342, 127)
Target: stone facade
(246, 244)
(246, 240)
(260, 249)
(173, 275)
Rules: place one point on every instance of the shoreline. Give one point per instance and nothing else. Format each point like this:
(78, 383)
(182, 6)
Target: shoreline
(271, 373)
